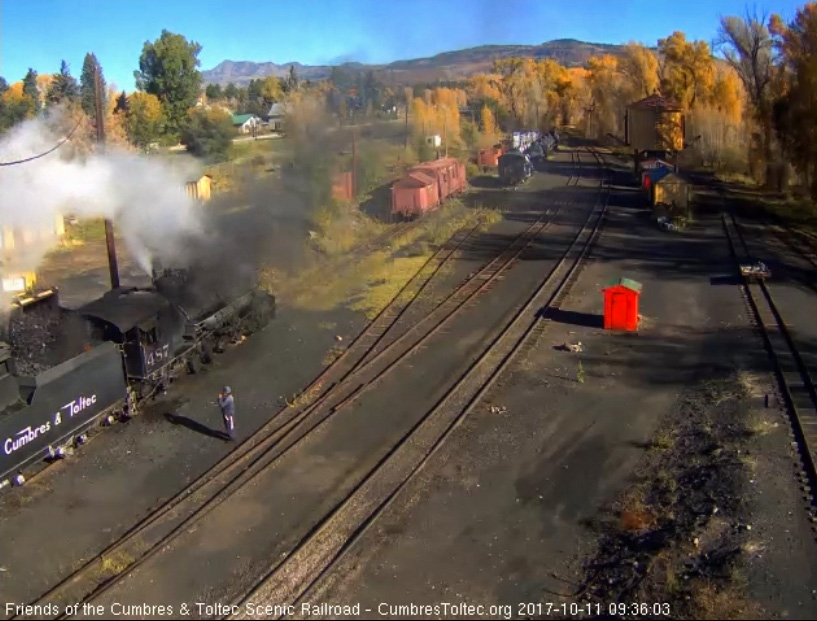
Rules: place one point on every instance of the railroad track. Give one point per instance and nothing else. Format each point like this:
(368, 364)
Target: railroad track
(379, 241)
(91, 574)
(576, 161)
(794, 241)
(364, 363)
(555, 305)
(288, 581)
(793, 374)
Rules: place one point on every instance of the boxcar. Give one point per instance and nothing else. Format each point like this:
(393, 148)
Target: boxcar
(426, 186)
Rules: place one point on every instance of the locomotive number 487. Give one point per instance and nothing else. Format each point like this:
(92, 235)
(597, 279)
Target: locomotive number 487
(158, 356)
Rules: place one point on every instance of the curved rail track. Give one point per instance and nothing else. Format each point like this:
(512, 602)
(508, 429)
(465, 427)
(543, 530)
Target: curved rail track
(793, 373)
(367, 360)
(198, 497)
(315, 555)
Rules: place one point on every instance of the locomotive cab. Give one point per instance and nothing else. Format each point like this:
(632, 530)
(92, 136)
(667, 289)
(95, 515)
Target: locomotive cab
(143, 323)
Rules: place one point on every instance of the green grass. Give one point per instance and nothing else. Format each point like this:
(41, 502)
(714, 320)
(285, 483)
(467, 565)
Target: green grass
(85, 231)
(369, 283)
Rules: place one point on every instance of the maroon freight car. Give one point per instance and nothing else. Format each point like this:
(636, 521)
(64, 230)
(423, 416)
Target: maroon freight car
(426, 186)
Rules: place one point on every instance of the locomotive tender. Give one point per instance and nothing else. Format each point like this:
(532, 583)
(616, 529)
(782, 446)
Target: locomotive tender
(136, 341)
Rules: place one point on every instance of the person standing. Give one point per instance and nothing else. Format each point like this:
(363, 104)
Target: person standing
(227, 404)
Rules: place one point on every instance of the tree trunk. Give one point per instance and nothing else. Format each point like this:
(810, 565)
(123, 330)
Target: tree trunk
(813, 180)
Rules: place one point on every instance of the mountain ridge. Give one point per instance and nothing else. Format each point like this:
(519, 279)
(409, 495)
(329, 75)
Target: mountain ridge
(447, 66)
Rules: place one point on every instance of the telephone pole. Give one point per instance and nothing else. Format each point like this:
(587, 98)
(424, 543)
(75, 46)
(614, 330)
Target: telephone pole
(445, 134)
(113, 266)
(354, 162)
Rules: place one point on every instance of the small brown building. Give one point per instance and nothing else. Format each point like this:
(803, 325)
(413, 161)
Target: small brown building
(672, 191)
(201, 188)
(654, 125)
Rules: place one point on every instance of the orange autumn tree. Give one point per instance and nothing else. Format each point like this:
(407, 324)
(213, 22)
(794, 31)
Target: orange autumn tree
(607, 93)
(687, 70)
(438, 113)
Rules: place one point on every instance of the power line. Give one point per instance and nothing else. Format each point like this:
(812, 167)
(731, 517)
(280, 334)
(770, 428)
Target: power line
(51, 150)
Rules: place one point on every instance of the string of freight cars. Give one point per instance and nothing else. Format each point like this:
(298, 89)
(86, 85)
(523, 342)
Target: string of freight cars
(51, 150)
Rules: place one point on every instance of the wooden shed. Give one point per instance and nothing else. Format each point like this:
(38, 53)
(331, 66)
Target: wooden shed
(671, 190)
(655, 124)
(201, 188)
(342, 187)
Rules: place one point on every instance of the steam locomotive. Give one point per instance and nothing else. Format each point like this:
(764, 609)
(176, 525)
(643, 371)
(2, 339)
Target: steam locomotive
(514, 167)
(134, 342)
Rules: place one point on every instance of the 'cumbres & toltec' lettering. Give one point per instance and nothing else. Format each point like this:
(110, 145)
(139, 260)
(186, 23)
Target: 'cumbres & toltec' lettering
(28, 434)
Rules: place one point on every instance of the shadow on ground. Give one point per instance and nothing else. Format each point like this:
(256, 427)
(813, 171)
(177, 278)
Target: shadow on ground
(587, 320)
(196, 426)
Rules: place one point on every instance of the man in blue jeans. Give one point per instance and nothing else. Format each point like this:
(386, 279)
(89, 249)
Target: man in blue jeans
(227, 405)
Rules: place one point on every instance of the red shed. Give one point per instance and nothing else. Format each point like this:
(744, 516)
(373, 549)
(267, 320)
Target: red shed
(342, 186)
(621, 305)
(414, 194)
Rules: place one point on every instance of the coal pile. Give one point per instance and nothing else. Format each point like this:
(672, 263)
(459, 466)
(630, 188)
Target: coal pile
(43, 336)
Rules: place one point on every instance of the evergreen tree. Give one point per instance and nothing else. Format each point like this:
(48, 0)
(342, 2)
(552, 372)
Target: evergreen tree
(231, 91)
(213, 92)
(168, 68)
(292, 80)
(86, 80)
(64, 87)
(121, 103)
(30, 88)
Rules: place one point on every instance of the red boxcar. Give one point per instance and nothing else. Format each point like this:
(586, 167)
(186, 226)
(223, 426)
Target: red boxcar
(489, 158)
(426, 186)
(414, 194)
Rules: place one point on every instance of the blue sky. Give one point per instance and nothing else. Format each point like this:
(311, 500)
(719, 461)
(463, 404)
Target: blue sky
(40, 33)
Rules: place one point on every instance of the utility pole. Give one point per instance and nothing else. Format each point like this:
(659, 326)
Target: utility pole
(405, 142)
(113, 266)
(445, 134)
(354, 162)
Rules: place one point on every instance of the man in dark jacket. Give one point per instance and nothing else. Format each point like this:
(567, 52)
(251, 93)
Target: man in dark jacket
(227, 405)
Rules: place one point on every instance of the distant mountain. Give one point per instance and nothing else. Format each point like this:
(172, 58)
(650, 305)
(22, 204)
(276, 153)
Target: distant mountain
(446, 66)
(241, 72)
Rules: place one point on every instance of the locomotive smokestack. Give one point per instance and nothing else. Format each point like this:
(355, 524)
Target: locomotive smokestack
(113, 266)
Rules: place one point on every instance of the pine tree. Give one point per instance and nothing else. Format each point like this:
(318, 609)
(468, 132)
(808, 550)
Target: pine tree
(64, 86)
(87, 97)
(30, 88)
(121, 103)
(292, 80)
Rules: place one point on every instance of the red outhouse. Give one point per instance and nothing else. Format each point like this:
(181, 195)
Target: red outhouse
(621, 305)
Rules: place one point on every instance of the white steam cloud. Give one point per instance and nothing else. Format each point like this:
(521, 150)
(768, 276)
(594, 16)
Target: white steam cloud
(144, 197)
